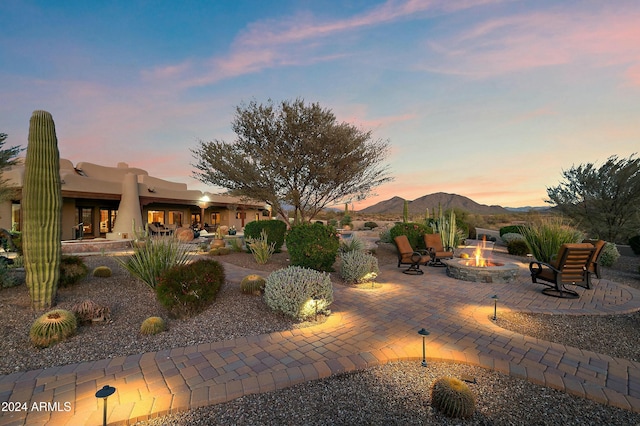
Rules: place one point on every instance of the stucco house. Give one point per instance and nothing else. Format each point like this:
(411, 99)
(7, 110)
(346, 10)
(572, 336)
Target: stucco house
(110, 202)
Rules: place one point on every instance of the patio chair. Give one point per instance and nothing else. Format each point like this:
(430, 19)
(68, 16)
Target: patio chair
(408, 256)
(436, 250)
(571, 266)
(594, 266)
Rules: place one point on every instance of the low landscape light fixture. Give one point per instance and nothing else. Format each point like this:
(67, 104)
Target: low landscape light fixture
(105, 393)
(495, 306)
(316, 298)
(424, 333)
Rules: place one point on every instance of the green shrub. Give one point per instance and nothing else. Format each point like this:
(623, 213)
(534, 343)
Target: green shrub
(413, 231)
(370, 225)
(276, 230)
(359, 267)
(346, 220)
(235, 244)
(102, 272)
(510, 236)
(252, 284)
(261, 248)
(186, 290)
(53, 327)
(352, 243)
(6, 279)
(72, 270)
(292, 290)
(634, 243)
(219, 251)
(313, 246)
(453, 398)
(544, 237)
(610, 255)
(385, 236)
(518, 247)
(149, 262)
(510, 229)
(152, 325)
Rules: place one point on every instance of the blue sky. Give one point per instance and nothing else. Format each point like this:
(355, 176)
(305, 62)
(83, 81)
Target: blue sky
(484, 98)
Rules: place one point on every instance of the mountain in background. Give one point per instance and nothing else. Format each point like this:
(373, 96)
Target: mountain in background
(395, 205)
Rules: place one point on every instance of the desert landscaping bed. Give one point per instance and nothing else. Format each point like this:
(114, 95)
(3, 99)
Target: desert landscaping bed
(396, 393)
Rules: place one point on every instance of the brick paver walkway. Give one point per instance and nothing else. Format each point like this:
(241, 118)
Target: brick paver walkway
(368, 327)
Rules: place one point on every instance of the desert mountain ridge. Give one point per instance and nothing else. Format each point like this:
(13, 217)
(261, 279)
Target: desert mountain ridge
(395, 205)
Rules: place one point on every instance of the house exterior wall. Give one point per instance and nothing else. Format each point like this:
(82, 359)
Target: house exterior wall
(94, 188)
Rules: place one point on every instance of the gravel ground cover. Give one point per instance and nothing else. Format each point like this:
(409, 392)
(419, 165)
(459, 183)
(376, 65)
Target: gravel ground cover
(396, 393)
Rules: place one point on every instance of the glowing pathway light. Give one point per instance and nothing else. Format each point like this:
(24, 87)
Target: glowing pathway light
(105, 393)
(424, 333)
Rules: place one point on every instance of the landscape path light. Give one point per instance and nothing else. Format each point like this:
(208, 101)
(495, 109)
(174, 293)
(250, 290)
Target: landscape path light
(105, 393)
(495, 306)
(424, 333)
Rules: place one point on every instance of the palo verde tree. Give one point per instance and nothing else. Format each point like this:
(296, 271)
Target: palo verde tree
(7, 158)
(604, 200)
(293, 155)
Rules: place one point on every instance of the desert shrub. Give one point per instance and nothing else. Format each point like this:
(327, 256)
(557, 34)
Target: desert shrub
(413, 231)
(219, 251)
(235, 244)
(252, 284)
(275, 229)
(634, 243)
(518, 247)
(18, 261)
(313, 246)
(545, 236)
(89, 311)
(6, 279)
(186, 290)
(351, 244)
(152, 325)
(358, 267)
(385, 236)
(346, 220)
(72, 270)
(370, 225)
(610, 255)
(473, 233)
(510, 229)
(453, 398)
(53, 327)
(295, 290)
(510, 236)
(261, 248)
(149, 262)
(102, 272)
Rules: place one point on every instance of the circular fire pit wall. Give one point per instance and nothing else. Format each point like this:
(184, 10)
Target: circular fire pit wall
(497, 273)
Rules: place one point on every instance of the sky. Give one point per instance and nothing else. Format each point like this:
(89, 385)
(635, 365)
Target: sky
(489, 99)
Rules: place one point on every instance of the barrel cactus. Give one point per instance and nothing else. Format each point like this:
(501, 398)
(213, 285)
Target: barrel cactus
(53, 327)
(152, 325)
(252, 284)
(453, 398)
(42, 210)
(102, 272)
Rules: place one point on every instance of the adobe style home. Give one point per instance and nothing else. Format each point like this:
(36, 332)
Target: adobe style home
(109, 202)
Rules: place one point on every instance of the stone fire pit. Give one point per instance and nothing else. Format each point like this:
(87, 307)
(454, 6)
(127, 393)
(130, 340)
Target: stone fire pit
(496, 273)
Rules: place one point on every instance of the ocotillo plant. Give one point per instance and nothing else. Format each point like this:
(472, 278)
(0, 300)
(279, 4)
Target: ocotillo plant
(42, 210)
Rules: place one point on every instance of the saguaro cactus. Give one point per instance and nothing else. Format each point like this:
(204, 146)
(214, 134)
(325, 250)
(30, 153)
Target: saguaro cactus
(42, 211)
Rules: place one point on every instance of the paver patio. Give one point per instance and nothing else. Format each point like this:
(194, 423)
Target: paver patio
(368, 327)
